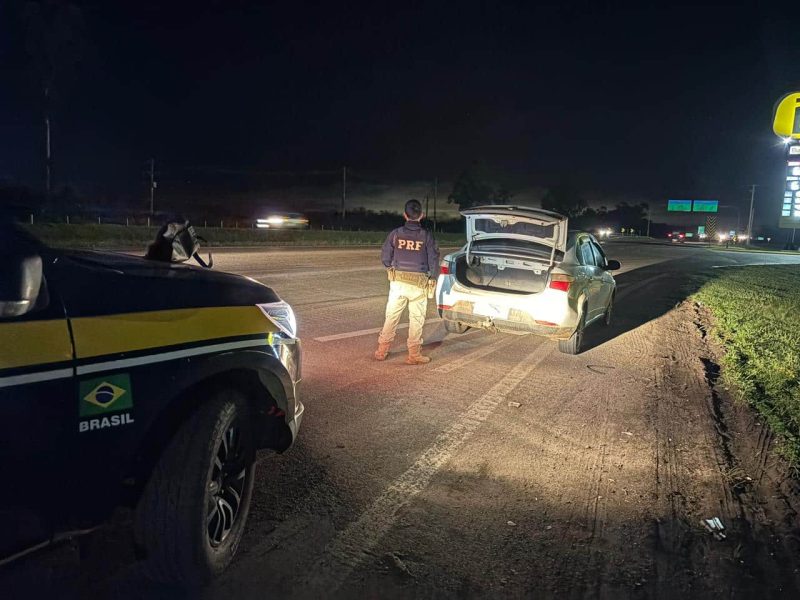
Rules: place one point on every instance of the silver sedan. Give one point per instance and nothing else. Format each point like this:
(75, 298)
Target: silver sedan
(522, 271)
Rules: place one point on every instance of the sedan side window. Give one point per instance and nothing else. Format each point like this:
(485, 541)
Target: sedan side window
(587, 258)
(599, 256)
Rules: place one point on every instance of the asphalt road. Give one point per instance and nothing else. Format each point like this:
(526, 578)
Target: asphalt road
(502, 468)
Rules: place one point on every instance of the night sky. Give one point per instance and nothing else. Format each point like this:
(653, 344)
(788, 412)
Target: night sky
(629, 103)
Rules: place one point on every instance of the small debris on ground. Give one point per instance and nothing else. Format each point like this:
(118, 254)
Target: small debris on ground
(398, 564)
(715, 527)
(514, 404)
(512, 524)
(626, 433)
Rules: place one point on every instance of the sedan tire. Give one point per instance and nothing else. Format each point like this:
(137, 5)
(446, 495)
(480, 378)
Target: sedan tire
(609, 314)
(190, 518)
(574, 344)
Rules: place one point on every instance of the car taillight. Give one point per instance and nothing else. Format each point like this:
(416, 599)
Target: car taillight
(444, 307)
(546, 323)
(445, 269)
(561, 282)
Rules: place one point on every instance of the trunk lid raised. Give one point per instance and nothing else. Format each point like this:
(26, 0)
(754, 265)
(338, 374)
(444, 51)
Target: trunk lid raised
(542, 228)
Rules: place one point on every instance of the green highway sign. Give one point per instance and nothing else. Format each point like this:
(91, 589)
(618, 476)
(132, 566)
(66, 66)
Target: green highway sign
(679, 205)
(709, 206)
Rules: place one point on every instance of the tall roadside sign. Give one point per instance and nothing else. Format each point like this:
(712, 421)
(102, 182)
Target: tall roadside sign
(786, 125)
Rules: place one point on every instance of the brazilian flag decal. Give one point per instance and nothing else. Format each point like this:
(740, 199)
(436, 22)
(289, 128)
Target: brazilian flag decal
(105, 395)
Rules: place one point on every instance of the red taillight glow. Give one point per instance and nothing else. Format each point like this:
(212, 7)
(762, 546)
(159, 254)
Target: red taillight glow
(444, 307)
(560, 282)
(545, 323)
(445, 270)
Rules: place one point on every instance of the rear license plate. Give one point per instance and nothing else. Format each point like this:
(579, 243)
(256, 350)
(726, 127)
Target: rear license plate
(487, 309)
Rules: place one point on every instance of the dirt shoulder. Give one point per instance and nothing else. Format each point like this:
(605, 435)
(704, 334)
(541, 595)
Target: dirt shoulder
(597, 486)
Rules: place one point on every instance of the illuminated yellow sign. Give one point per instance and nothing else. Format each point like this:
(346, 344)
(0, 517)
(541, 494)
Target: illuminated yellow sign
(786, 123)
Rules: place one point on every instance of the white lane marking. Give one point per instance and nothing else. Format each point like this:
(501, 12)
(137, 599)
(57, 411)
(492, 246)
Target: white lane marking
(473, 356)
(166, 356)
(358, 539)
(308, 273)
(360, 332)
(35, 377)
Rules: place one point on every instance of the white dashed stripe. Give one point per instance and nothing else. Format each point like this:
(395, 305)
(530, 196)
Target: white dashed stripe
(356, 541)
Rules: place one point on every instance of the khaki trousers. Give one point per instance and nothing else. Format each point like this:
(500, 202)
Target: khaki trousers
(403, 294)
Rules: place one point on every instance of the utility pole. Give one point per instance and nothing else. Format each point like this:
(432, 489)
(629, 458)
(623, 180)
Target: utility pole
(435, 187)
(344, 190)
(48, 159)
(648, 220)
(750, 220)
(152, 185)
(48, 165)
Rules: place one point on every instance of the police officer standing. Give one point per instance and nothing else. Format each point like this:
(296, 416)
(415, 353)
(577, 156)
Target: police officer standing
(411, 257)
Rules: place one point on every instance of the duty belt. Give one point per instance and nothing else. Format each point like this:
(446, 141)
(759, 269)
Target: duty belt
(418, 279)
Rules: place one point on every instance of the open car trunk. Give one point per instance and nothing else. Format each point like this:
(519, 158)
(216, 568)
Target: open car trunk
(502, 273)
(511, 249)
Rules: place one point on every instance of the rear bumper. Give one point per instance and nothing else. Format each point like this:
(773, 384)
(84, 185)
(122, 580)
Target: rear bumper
(520, 326)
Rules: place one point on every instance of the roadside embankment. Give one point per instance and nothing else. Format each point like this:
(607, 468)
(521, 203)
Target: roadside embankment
(757, 318)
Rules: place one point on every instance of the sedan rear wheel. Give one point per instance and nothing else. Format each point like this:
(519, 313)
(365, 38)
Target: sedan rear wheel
(574, 344)
(608, 318)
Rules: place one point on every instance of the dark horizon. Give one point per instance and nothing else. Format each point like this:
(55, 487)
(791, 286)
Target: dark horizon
(639, 104)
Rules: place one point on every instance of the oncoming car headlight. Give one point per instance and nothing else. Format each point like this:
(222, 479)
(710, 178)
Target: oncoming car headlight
(282, 315)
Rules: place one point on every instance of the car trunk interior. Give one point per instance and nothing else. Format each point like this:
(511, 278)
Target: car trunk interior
(503, 273)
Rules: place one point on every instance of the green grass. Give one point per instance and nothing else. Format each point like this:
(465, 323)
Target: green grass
(119, 236)
(757, 312)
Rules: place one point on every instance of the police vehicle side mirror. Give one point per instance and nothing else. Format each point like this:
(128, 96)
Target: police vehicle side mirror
(20, 284)
(613, 265)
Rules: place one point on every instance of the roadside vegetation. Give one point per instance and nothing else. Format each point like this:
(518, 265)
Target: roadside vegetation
(137, 236)
(757, 312)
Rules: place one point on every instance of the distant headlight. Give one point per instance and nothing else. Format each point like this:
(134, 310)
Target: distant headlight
(282, 315)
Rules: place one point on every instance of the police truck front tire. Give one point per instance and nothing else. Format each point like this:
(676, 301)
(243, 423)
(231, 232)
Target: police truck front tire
(455, 327)
(190, 518)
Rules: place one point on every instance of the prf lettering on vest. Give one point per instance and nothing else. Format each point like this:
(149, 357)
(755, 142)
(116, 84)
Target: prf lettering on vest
(409, 244)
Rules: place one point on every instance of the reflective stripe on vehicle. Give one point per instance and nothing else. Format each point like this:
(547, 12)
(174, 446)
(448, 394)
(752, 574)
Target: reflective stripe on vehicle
(31, 343)
(167, 356)
(132, 332)
(35, 377)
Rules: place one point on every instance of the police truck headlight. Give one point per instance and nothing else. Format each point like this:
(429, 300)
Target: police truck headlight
(282, 315)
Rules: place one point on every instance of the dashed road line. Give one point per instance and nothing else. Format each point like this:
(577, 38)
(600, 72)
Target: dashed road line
(360, 332)
(355, 543)
(473, 356)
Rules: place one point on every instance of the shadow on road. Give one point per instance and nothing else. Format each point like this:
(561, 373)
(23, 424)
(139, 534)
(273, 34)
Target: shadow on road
(646, 294)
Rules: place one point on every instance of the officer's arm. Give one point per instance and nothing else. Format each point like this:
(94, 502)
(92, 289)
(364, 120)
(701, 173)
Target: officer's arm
(433, 254)
(387, 253)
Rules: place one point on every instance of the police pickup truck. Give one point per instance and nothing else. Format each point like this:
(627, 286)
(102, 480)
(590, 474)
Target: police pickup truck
(139, 383)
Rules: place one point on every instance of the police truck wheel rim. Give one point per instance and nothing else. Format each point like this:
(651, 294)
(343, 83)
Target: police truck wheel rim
(226, 486)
